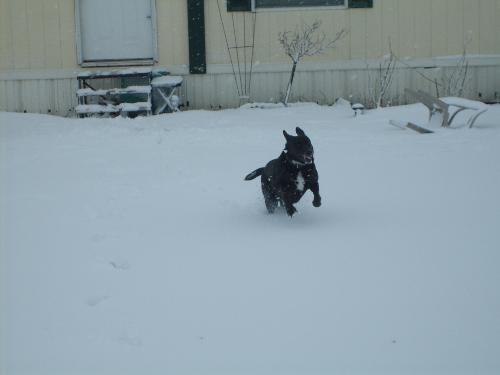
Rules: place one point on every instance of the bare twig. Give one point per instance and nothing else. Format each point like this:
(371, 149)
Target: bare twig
(309, 40)
(451, 83)
(381, 85)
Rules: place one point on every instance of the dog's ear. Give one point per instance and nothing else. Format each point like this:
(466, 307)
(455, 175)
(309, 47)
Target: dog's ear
(300, 132)
(287, 136)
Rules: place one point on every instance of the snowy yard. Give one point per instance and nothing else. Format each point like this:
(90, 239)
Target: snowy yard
(135, 246)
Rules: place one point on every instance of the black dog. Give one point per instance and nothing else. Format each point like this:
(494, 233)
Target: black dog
(285, 180)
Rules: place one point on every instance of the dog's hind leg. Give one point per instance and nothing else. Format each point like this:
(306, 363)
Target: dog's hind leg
(270, 198)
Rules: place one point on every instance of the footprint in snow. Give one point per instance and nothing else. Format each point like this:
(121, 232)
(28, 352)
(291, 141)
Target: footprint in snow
(95, 300)
(130, 340)
(119, 264)
(98, 237)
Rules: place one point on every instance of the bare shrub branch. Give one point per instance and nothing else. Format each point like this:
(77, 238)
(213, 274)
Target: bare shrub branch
(453, 82)
(308, 40)
(381, 84)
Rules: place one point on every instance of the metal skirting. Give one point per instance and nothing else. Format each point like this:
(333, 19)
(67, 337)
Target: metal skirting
(52, 96)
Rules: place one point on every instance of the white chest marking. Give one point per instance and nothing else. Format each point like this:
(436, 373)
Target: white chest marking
(300, 182)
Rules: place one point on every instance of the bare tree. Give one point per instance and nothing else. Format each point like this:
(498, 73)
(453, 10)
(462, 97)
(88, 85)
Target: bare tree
(381, 84)
(308, 40)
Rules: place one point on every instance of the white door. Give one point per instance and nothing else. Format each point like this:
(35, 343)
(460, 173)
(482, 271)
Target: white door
(116, 30)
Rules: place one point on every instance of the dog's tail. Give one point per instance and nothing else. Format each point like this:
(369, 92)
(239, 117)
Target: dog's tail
(254, 174)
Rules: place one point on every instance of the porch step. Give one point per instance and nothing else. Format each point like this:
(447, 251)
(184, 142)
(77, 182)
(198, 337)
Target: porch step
(88, 109)
(135, 107)
(85, 109)
(116, 91)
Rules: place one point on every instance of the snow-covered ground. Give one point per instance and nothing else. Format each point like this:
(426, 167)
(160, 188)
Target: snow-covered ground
(135, 246)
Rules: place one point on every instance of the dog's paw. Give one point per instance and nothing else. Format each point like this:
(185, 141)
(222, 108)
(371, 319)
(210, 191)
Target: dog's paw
(291, 211)
(317, 202)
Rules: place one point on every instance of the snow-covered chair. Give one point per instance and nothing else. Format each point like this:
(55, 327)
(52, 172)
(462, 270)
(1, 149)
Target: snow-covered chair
(439, 109)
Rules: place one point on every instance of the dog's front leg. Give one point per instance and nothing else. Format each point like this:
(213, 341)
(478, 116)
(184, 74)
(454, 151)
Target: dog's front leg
(290, 209)
(317, 197)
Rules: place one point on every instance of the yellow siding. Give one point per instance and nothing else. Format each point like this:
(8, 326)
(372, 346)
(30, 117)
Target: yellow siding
(416, 29)
(52, 34)
(5, 43)
(19, 28)
(423, 31)
(489, 40)
(455, 26)
(40, 34)
(390, 25)
(497, 18)
(37, 34)
(407, 33)
(68, 35)
(471, 26)
(172, 32)
(36, 40)
(358, 34)
(374, 41)
(439, 19)
(339, 21)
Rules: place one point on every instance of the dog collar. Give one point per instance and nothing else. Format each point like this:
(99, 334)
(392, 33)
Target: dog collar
(297, 163)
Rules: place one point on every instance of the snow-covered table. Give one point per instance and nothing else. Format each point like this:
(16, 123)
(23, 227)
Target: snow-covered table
(164, 93)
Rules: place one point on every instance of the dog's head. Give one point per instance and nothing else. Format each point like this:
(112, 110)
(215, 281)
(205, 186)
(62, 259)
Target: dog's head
(299, 148)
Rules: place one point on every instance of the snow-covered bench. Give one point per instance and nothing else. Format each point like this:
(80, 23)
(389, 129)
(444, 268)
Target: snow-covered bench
(439, 109)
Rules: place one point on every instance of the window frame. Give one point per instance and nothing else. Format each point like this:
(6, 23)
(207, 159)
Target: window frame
(296, 8)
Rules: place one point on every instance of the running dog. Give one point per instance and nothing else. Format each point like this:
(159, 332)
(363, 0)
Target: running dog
(285, 180)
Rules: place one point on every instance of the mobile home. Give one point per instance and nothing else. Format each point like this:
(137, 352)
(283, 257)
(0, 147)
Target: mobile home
(228, 50)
